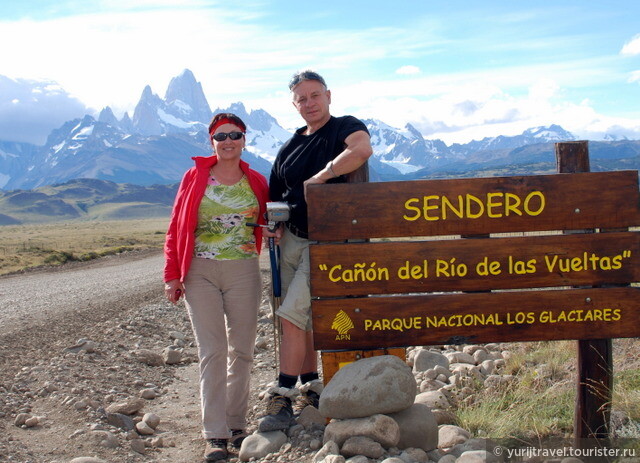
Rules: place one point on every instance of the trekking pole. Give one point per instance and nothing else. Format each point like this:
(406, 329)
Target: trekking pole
(276, 212)
(276, 292)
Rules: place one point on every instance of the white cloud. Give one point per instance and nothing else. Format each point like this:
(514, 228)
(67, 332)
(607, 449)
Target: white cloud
(108, 58)
(30, 110)
(632, 47)
(408, 70)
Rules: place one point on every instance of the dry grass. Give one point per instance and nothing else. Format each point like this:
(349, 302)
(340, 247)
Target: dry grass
(540, 404)
(26, 246)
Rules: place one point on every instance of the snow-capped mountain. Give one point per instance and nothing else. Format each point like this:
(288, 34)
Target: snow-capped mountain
(155, 146)
(552, 134)
(403, 149)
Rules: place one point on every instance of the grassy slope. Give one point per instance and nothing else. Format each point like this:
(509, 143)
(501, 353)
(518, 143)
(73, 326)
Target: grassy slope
(24, 246)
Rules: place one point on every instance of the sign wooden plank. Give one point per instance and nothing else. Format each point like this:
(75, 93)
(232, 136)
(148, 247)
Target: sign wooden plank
(400, 321)
(474, 265)
(474, 206)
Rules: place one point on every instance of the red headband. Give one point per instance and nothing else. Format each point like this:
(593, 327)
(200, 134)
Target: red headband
(223, 121)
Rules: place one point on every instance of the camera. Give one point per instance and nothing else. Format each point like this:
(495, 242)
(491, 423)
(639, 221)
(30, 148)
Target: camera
(277, 211)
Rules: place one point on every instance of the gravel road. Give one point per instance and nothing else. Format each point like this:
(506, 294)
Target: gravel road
(117, 303)
(31, 298)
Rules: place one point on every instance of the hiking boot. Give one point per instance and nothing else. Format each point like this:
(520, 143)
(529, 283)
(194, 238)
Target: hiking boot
(216, 450)
(237, 437)
(279, 414)
(309, 395)
(309, 398)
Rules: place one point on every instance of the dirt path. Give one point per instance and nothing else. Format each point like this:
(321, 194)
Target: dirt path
(117, 303)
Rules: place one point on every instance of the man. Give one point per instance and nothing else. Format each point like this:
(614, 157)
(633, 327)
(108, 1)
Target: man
(323, 151)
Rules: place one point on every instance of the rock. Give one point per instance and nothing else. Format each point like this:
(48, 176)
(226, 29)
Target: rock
(120, 421)
(329, 448)
(427, 360)
(418, 428)
(151, 419)
(177, 335)
(334, 459)
(433, 399)
(480, 356)
(477, 456)
(148, 357)
(488, 367)
(104, 439)
(414, 455)
(137, 445)
(467, 369)
(157, 442)
(393, 460)
(310, 416)
(171, 355)
(129, 407)
(379, 428)
(360, 445)
(148, 393)
(262, 342)
(472, 444)
(450, 435)
(144, 429)
(459, 357)
(21, 418)
(82, 345)
(358, 459)
(369, 386)
(32, 422)
(259, 445)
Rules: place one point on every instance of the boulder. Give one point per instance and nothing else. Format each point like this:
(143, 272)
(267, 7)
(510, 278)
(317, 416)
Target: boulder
(370, 386)
(418, 428)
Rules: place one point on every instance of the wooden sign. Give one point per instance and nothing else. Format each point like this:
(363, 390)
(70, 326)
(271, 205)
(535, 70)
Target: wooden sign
(498, 289)
(357, 323)
(474, 264)
(473, 206)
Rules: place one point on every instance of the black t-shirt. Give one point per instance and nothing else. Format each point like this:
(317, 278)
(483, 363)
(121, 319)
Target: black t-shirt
(303, 156)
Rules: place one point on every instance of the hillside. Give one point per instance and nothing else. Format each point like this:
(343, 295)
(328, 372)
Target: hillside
(86, 199)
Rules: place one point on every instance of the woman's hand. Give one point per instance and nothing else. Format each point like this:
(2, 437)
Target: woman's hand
(173, 290)
(277, 234)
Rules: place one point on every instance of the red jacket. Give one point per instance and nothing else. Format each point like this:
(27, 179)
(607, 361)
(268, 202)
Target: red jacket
(179, 243)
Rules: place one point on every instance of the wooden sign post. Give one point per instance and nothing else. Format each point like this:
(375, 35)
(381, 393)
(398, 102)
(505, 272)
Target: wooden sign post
(401, 287)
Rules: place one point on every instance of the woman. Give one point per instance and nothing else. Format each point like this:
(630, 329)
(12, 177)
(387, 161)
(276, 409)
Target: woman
(211, 257)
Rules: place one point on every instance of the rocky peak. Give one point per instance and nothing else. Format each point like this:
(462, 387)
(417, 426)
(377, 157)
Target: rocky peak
(145, 116)
(185, 99)
(107, 116)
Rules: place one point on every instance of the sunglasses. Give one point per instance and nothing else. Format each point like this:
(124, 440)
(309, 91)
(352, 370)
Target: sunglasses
(222, 136)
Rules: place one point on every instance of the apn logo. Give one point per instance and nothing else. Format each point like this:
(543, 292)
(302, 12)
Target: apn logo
(342, 324)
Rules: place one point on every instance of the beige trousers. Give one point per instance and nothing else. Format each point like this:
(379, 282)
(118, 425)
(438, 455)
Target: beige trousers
(222, 298)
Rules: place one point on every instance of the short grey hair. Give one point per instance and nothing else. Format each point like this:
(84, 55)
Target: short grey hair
(307, 74)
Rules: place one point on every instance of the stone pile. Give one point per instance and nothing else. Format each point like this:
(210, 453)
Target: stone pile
(385, 410)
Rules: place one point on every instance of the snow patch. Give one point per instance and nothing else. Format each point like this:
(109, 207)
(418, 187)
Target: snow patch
(172, 120)
(403, 167)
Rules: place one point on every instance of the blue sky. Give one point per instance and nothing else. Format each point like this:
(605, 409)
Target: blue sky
(456, 70)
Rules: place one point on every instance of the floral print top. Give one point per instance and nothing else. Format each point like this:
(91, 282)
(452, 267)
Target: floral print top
(222, 231)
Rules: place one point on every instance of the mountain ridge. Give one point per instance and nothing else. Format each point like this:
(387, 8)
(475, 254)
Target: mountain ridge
(155, 146)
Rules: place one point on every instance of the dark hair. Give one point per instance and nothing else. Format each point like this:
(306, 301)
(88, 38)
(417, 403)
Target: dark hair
(219, 119)
(307, 74)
